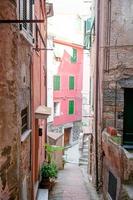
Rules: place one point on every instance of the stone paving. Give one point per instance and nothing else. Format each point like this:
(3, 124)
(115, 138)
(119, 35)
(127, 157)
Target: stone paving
(70, 185)
(73, 182)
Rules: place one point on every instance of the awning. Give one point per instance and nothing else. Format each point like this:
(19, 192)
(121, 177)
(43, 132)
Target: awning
(42, 112)
(54, 136)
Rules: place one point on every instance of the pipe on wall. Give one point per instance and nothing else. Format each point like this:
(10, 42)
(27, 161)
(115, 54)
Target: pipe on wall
(97, 92)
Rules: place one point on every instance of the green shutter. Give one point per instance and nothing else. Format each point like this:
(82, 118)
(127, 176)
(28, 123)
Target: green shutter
(71, 82)
(56, 82)
(74, 57)
(71, 107)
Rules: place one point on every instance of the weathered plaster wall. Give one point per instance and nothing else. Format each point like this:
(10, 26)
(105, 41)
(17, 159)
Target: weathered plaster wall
(14, 96)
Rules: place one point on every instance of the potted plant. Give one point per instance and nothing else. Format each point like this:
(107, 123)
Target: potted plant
(48, 175)
(49, 168)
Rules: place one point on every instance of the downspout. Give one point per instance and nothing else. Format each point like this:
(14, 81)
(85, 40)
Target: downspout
(45, 70)
(31, 110)
(96, 100)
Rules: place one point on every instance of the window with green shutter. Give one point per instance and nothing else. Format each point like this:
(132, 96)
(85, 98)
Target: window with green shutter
(71, 82)
(56, 82)
(71, 107)
(74, 56)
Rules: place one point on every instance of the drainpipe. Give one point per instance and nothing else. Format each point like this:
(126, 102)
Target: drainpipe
(97, 82)
(46, 77)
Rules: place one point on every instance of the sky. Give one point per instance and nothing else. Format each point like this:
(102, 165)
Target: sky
(67, 21)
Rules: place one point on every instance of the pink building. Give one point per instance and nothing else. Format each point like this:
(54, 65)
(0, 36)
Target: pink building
(67, 87)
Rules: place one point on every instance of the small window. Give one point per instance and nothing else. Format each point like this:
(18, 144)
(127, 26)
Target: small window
(74, 56)
(71, 82)
(26, 13)
(56, 82)
(24, 120)
(71, 107)
(56, 108)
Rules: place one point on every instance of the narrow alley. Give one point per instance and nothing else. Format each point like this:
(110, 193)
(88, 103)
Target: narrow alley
(72, 182)
(66, 99)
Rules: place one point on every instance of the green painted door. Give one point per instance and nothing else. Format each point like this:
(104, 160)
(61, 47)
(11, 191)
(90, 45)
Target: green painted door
(128, 118)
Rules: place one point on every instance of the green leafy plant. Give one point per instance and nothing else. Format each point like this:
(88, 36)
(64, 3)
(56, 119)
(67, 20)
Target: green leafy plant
(49, 167)
(49, 170)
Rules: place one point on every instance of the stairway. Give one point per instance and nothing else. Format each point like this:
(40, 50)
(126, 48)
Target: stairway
(83, 160)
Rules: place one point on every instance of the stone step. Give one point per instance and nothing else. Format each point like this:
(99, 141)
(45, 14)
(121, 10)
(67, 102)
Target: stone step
(85, 146)
(85, 156)
(85, 151)
(83, 163)
(42, 194)
(83, 159)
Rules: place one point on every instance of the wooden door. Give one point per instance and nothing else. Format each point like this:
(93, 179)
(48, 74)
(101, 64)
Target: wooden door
(67, 133)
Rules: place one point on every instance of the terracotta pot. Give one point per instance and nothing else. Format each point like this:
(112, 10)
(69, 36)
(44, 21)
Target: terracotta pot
(47, 183)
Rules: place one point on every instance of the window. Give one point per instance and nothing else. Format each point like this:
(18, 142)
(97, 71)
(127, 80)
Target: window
(56, 82)
(26, 13)
(89, 32)
(71, 107)
(24, 120)
(71, 82)
(74, 56)
(56, 108)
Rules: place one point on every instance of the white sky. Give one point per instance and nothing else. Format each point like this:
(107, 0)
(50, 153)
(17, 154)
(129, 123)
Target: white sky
(66, 22)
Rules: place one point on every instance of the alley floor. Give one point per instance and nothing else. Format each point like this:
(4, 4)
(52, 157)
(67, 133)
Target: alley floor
(71, 183)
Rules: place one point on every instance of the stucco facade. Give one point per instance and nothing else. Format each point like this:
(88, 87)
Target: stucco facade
(65, 70)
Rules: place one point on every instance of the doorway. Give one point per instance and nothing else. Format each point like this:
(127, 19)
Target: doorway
(67, 135)
(128, 118)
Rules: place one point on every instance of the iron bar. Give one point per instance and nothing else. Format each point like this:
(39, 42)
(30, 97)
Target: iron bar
(8, 21)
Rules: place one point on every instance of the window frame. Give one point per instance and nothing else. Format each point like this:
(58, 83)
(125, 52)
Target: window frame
(71, 100)
(23, 115)
(74, 57)
(56, 114)
(26, 31)
(54, 87)
(71, 85)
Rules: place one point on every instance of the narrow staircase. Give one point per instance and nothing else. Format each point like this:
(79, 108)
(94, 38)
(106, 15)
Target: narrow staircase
(83, 160)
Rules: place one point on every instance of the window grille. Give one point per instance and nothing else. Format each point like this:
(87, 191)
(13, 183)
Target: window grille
(24, 120)
(26, 13)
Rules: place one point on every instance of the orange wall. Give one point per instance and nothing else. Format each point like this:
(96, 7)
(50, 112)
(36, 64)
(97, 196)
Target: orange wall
(38, 94)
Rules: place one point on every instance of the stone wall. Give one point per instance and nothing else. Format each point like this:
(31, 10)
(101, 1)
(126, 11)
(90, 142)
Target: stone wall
(115, 72)
(116, 58)
(118, 61)
(14, 96)
(76, 130)
(119, 162)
